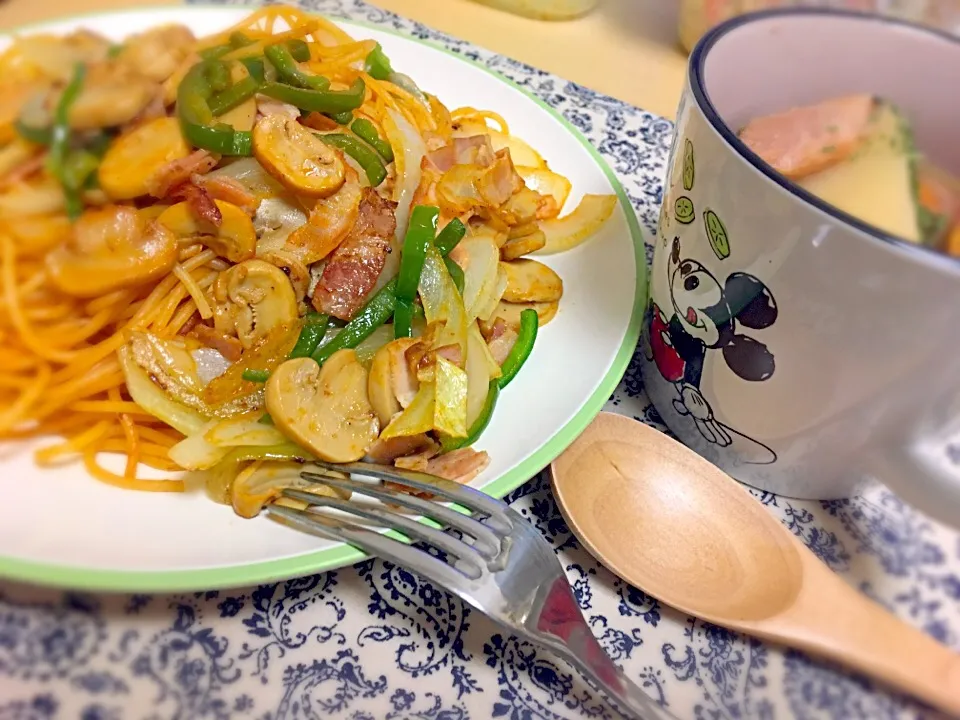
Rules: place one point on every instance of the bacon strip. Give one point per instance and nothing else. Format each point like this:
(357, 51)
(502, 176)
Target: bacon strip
(177, 172)
(227, 346)
(228, 190)
(200, 202)
(353, 268)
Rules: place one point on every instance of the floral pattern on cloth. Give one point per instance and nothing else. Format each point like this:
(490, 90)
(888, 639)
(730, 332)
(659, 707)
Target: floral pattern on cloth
(374, 641)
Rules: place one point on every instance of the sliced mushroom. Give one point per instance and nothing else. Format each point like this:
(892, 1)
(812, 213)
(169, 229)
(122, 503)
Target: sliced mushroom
(110, 249)
(252, 299)
(235, 239)
(112, 94)
(298, 159)
(293, 267)
(136, 156)
(524, 245)
(510, 312)
(324, 409)
(391, 377)
(158, 52)
(531, 281)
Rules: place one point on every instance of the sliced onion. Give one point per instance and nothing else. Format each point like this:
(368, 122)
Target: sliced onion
(479, 257)
(210, 364)
(195, 452)
(408, 150)
(481, 369)
(457, 191)
(442, 303)
(417, 418)
(406, 82)
(244, 431)
(450, 411)
(490, 300)
(250, 173)
(569, 231)
(156, 402)
(368, 348)
(546, 182)
(263, 481)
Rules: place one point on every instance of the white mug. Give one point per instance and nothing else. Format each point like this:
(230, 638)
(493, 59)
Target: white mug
(799, 349)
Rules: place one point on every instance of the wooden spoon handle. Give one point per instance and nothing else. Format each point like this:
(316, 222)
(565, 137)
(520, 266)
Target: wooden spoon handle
(833, 620)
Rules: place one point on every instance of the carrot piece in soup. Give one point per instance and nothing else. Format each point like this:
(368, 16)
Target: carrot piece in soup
(805, 140)
(953, 241)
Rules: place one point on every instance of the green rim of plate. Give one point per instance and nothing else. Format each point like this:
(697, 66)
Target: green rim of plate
(335, 557)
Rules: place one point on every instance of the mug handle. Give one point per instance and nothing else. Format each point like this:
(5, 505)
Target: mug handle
(921, 475)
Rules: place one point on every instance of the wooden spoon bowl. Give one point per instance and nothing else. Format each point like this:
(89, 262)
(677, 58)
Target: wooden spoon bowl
(680, 529)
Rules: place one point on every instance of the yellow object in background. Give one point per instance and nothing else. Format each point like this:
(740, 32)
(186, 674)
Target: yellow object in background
(544, 9)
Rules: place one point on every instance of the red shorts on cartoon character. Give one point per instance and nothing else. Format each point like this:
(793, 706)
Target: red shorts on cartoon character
(668, 360)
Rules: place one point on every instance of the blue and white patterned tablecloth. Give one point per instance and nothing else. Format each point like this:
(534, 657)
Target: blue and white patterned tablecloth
(375, 642)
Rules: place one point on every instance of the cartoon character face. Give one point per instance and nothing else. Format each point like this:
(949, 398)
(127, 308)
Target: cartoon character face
(711, 312)
(697, 300)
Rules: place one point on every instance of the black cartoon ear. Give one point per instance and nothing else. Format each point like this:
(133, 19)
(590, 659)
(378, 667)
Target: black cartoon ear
(675, 251)
(748, 358)
(751, 303)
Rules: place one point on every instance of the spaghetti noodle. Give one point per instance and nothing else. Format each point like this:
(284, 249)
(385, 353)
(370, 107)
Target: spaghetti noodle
(68, 341)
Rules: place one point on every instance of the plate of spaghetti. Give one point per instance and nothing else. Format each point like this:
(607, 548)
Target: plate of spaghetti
(232, 243)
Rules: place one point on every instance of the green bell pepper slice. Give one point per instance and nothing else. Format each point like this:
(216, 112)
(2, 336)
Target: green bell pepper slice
(280, 57)
(324, 101)
(365, 156)
(529, 322)
(456, 274)
(448, 238)
(447, 443)
(378, 64)
(420, 231)
(374, 314)
(367, 131)
(235, 95)
(197, 121)
(314, 330)
(60, 144)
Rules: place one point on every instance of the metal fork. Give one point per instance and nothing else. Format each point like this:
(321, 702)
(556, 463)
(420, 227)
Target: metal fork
(503, 567)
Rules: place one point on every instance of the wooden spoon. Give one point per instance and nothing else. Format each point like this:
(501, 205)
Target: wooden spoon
(683, 531)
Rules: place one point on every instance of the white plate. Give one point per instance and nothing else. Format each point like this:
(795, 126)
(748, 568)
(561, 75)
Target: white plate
(59, 526)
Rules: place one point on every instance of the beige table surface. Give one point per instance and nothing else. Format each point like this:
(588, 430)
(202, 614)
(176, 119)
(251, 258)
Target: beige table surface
(624, 48)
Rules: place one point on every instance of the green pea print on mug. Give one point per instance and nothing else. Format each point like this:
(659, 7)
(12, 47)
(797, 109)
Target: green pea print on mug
(716, 234)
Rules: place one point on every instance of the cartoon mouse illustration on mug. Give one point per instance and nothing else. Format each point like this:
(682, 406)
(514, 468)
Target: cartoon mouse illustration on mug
(704, 316)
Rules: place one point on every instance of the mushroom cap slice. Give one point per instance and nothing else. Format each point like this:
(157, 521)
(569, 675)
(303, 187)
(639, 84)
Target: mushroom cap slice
(390, 379)
(296, 157)
(324, 409)
(252, 299)
(235, 238)
(110, 249)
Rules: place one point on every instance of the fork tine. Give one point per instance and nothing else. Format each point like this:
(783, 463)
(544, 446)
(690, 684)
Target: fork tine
(370, 542)
(471, 562)
(461, 494)
(487, 543)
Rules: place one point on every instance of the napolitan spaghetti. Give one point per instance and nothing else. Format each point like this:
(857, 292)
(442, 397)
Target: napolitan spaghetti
(236, 252)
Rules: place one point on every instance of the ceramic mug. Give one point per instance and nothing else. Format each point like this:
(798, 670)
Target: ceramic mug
(799, 349)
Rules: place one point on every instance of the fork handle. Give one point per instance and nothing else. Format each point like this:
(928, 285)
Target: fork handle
(560, 625)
